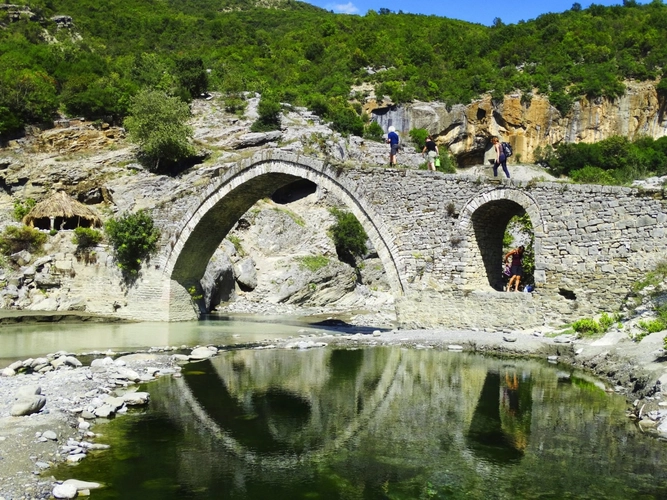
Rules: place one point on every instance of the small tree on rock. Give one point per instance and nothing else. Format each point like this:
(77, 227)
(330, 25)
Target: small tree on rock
(158, 124)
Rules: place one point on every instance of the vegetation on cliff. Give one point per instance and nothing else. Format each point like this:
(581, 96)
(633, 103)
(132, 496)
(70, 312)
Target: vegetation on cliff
(308, 56)
(134, 238)
(612, 161)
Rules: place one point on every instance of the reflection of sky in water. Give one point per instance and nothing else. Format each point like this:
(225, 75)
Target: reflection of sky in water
(380, 423)
(21, 341)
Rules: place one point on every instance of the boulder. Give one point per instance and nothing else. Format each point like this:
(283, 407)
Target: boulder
(22, 258)
(28, 391)
(202, 353)
(28, 406)
(218, 280)
(246, 274)
(83, 485)
(256, 139)
(65, 491)
(136, 398)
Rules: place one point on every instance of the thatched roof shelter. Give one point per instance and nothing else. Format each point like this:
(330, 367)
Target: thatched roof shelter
(60, 211)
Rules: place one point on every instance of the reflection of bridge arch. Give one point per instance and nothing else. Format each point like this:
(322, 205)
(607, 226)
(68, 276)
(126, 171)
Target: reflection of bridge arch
(378, 397)
(239, 188)
(483, 221)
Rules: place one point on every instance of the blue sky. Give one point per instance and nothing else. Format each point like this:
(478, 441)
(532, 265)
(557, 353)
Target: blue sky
(475, 11)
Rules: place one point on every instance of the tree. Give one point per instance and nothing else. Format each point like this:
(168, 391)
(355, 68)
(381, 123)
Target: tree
(348, 236)
(192, 75)
(158, 123)
(269, 115)
(134, 237)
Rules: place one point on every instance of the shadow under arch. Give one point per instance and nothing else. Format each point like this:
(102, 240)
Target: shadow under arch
(483, 221)
(239, 188)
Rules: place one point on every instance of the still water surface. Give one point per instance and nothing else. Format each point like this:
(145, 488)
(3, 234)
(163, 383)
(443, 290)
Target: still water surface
(375, 423)
(23, 340)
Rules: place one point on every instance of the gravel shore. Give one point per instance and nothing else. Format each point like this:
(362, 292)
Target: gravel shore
(64, 431)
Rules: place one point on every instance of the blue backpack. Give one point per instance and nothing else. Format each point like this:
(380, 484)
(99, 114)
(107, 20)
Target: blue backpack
(507, 149)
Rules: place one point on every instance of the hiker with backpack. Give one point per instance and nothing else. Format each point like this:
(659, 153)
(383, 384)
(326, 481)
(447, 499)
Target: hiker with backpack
(501, 156)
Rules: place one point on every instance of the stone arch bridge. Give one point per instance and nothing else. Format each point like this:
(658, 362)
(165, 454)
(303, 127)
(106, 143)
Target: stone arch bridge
(439, 238)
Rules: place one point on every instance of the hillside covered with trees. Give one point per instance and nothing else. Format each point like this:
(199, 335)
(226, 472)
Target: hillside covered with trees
(300, 54)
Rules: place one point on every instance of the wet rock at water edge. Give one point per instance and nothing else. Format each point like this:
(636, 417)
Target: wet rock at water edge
(65, 491)
(199, 353)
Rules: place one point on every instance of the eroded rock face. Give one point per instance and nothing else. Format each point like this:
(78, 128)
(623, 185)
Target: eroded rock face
(530, 124)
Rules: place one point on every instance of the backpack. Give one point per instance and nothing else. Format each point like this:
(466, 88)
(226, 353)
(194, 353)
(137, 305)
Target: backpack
(507, 149)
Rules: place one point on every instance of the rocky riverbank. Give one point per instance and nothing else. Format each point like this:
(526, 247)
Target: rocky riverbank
(49, 406)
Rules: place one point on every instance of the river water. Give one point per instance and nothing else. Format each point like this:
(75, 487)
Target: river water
(369, 423)
(32, 339)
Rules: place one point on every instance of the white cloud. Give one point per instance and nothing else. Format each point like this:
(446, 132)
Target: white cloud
(343, 8)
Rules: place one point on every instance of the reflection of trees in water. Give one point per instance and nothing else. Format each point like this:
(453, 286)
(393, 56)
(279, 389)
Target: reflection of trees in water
(386, 423)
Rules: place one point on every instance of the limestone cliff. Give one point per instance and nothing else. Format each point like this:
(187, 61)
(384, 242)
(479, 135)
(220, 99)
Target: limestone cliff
(530, 123)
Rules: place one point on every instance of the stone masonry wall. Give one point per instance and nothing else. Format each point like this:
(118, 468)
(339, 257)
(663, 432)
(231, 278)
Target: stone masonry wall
(443, 236)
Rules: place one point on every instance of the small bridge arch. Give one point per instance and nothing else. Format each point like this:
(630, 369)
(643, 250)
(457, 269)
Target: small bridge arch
(235, 192)
(483, 221)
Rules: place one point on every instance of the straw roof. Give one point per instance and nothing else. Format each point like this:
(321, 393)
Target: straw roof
(60, 205)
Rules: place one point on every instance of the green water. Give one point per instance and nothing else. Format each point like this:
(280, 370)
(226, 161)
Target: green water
(376, 423)
(32, 339)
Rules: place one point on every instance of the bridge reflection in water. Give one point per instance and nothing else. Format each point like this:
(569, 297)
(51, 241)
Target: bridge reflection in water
(376, 423)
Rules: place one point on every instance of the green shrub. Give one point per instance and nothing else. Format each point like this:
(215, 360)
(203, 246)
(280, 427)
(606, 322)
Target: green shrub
(586, 326)
(593, 175)
(652, 278)
(236, 241)
(134, 238)
(269, 115)
(22, 208)
(346, 121)
(418, 137)
(348, 236)
(86, 237)
(447, 163)
(14, 239)
(374, 132)
(652, 326)
(313, 262)
(235, 103)
(605, 322)
(158, 124)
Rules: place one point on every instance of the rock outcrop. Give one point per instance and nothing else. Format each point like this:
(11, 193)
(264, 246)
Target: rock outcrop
(530, 123)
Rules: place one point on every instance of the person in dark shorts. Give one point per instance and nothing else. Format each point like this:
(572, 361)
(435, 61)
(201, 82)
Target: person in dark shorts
(516, 267)
(392, 140)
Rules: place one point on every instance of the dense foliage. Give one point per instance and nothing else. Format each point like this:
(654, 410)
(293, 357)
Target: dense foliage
(615, 160)
(15, 239)
(22, 208)
(86, 237)
(134, 237)
(308, 56)
(158, 123)
(349, 237)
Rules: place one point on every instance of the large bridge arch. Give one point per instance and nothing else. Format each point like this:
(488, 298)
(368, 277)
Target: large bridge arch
(237, 189)
(483, 220)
